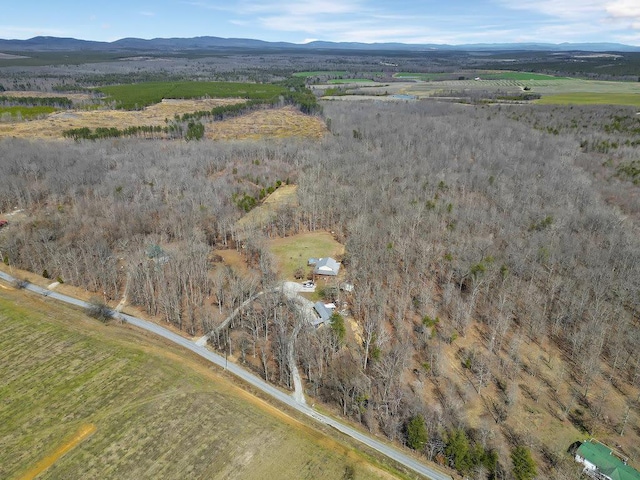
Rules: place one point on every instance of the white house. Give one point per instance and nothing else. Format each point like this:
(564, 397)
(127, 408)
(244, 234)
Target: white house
(326, 266)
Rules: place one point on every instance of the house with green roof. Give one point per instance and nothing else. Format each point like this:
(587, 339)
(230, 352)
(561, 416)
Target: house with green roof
(602, 464)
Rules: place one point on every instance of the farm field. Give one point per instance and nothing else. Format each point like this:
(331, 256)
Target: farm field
(87, 400)
(590, 90)
(350, 80)
(293, 252)
(591, 98)
(138, 95)
(317, 73)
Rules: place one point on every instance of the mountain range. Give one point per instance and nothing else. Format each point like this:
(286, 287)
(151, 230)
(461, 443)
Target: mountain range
(208, 43)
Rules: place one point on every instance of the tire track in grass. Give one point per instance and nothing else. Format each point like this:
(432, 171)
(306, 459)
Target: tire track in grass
(82, 434)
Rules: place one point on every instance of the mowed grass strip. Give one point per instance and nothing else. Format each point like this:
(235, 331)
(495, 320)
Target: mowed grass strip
(294, 252)
(139, 95)
(591, 98)
(158, 411)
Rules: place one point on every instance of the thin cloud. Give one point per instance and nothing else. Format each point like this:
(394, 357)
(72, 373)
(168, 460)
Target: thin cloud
(11, 31)
(147, 14)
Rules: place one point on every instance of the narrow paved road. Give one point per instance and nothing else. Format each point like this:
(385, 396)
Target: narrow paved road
(255, 381)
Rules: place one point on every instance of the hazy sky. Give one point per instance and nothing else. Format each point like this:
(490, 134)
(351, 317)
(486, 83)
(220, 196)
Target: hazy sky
(429, 21)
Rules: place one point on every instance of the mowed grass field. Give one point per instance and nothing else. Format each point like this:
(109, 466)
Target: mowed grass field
(591, 98)
(294, 252)
(96, 401)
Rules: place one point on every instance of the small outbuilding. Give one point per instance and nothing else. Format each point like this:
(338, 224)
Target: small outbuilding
(324, 313)
(326, 266)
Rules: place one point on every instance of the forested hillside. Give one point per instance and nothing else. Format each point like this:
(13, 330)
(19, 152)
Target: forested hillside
(494, 251)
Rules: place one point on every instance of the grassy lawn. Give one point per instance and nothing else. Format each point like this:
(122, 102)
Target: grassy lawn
(294, 252)
(591, 98)
(122, 404)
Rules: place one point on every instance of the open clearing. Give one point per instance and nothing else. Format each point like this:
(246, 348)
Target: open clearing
(55, 124)
(285, 195)
(274, 123)
(294, 252)
(158, 412)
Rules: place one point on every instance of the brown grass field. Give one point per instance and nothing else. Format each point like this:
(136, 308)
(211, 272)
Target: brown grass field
(53, 126)
(279, 123)
(158, 412)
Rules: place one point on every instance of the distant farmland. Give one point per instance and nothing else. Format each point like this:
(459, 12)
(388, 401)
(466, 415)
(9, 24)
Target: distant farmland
(139, 95)
(319, 73)
(591, 98)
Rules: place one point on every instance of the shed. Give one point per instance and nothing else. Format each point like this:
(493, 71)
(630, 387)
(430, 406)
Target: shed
(326, 266)
(600, 461)
(324, 314)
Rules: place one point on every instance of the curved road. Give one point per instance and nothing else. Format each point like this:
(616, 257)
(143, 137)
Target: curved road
(255, 381)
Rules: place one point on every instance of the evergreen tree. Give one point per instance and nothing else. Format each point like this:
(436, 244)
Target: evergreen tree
(524, 468)
(417, 433)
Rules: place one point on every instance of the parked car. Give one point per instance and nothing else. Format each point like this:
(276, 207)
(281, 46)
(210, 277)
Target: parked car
(308, 284)
(3, 223)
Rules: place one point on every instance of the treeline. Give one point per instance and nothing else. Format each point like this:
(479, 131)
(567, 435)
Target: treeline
(58, 102)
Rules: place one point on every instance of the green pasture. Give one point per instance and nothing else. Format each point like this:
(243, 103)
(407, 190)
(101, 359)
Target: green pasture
(26, 113)
(591, 98)
(139, 95)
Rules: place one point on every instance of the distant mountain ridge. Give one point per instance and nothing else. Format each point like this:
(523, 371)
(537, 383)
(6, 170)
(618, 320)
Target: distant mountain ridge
(156, 45)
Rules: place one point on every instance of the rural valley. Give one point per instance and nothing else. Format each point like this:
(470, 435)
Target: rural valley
(437, 249)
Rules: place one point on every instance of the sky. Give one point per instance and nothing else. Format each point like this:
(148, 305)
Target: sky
(429, 21)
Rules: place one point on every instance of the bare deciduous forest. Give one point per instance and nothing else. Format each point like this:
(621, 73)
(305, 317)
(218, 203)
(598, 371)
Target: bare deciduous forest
(494, 252)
